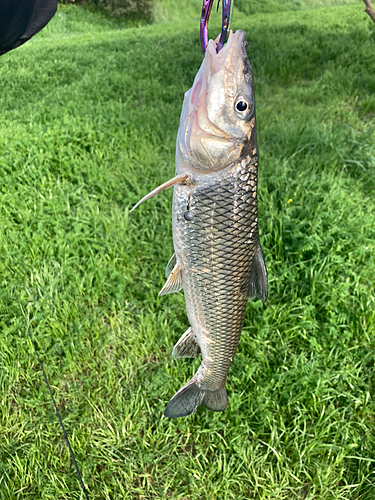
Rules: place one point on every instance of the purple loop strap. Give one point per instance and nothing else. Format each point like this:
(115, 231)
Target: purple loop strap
(206, 11)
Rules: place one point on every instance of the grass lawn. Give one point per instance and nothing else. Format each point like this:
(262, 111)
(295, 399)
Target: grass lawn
(89, 111)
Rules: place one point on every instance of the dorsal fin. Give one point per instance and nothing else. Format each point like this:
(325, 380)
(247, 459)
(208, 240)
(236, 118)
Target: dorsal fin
(258, 279)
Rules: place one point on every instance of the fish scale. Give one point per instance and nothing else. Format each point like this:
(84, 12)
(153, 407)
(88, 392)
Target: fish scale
(216, 251)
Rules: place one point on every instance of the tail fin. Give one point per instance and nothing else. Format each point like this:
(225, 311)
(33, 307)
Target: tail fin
(188, 399)
(216, 400)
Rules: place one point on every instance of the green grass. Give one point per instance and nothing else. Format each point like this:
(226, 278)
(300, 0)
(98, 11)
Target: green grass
(172, 11)
(88, 119)
(256, 6)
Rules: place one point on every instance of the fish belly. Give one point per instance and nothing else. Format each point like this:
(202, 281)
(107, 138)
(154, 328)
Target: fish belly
(215, 235)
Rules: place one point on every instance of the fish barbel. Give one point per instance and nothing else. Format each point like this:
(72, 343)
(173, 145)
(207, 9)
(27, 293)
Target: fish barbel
(218, 260)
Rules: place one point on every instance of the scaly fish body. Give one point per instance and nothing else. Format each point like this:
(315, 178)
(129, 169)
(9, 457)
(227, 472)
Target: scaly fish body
(218, 261)
(215, 250)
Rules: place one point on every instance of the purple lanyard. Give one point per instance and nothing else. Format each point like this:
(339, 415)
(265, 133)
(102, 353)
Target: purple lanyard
(206, 11)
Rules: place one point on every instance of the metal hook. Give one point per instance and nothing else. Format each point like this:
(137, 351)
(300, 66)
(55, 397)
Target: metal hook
(206, 11)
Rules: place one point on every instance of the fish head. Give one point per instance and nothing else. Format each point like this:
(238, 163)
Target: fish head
(217, 124)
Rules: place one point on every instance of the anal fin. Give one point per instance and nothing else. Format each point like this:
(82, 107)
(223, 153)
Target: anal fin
(258, 279)
(187, 346)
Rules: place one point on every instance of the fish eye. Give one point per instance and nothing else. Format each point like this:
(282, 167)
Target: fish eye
(243, 107)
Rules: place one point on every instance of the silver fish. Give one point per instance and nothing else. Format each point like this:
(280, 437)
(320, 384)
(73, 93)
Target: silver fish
(218, 260)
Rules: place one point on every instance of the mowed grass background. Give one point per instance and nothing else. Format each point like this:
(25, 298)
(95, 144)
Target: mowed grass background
(89, 112)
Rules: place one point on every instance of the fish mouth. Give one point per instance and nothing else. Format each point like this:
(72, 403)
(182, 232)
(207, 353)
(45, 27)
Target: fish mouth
(204, 140)
(235, 48)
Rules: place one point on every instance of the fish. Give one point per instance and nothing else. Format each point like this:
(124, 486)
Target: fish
(218, 260)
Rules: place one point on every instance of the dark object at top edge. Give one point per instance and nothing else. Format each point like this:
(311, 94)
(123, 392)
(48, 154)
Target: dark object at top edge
(22, 19)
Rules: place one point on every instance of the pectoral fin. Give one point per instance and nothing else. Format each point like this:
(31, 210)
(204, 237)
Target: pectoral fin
(187, 346)
(258, 278)
(179, 179)
(174, 281)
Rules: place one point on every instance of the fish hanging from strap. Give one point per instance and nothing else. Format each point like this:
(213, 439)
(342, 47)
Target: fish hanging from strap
(218, 261)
